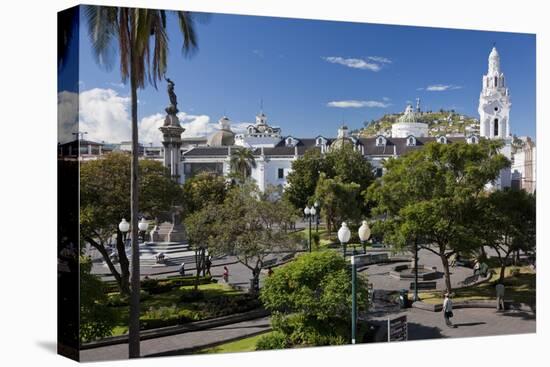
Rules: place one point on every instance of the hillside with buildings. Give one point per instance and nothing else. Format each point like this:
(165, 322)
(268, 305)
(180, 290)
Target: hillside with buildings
(442, 122)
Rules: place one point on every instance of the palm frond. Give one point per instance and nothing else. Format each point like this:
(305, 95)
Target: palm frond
(187, 28)
(102, 29)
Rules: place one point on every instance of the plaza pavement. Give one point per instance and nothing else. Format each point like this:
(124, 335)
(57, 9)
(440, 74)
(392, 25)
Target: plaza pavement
(470, 322)
(378, 274)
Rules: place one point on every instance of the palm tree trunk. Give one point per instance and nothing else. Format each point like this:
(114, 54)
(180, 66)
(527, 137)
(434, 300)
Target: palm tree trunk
(133, 329)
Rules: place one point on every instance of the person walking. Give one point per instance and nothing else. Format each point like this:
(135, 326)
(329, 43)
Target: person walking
(225, 274)
(182, 269)
(500, 296)
(208, 265)
(448, 310)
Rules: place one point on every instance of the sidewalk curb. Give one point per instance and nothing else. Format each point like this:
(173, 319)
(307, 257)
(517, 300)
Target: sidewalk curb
(179, 329)
(508, 305)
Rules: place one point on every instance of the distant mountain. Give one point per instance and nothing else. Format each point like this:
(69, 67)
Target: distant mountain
(442, 122)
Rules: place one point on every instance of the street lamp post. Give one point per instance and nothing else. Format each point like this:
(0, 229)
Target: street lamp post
(364, 234)
(415, 297)
(344, 235)
(133, 335)
(143, 225)
(317, 215)
(309, 212)
(353, 299)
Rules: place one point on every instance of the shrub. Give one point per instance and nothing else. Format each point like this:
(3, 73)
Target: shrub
(167, 316)
(274, 340)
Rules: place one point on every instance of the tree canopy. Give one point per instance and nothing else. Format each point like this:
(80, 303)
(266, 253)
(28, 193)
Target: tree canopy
(104, 193)
(311, 298)
(203, 189)
(347, 164)
(429, 196)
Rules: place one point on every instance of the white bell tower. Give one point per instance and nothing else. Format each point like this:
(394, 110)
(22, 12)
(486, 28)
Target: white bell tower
(494, 102)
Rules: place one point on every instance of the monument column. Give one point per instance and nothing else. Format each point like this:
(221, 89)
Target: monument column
(171, 135)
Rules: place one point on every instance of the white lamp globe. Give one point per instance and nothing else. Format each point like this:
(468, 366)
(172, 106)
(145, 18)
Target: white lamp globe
(307, 210)
(312, 211)
(316, 204)
(124, 226)
(364, 231)
(143, 225)
(344, 233)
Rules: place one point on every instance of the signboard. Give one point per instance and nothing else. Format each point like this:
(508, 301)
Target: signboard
(397, 329)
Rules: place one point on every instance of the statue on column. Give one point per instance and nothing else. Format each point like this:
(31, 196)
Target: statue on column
(172, 109)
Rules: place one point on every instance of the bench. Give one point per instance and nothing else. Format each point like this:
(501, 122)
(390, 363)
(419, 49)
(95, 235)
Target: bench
(378, 245)
(423, 285)
(287, 257)
(269, 263)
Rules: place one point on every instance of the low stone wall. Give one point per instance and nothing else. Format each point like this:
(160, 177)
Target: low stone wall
(179, 329)
(508, 305)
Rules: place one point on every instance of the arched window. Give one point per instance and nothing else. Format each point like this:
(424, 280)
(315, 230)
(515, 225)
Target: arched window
(496, 81)
(495, 127)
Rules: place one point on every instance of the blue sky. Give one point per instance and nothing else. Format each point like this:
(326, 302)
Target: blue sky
(298, 67)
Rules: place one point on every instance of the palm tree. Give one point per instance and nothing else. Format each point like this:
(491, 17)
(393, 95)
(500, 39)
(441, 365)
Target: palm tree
(242, 162)
(142, 41)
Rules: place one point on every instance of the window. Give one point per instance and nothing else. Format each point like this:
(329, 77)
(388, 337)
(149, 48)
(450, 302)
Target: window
(442, 140)
(379, 172)
(496, 81)
(411, 141)
(495, 127)
(280, 173)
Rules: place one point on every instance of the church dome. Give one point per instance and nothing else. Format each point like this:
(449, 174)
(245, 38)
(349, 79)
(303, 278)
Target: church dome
(223, 137)
(343, 138)
(409, 116)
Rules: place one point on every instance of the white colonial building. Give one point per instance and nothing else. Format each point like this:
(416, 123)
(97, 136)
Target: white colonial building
(274, 153)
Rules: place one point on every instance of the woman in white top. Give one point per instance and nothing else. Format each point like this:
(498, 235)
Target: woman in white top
(448, 310)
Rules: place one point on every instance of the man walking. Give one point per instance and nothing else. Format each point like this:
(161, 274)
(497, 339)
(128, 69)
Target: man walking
(448, 310)
(500, 296)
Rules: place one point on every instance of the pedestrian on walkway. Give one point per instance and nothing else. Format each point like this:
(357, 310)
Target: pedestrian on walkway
(448, 310)
(182, 269)
(269, 272)
(225, 274)
(208, 265)
(500, 296)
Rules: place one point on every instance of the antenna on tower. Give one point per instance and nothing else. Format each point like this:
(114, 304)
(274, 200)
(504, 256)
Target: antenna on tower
(262, 105)
(417, 104)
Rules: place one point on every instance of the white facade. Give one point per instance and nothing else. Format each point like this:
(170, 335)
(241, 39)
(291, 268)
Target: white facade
(408, 125)
(494, 102)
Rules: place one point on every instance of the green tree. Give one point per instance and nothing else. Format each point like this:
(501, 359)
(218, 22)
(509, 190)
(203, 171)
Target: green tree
(339, 201)
(347, 164)
(431, 196)
(247, 225)
(310, 299)
(242, 162)
(203, 189)
(303, 178)
(507, 224)
(104, 190)
(96, 318)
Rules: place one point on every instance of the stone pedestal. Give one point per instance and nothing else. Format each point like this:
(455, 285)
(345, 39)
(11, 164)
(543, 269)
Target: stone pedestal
(171, 140)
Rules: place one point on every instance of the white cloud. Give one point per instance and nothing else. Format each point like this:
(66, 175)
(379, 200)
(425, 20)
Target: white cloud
(372, 63)
(358, 104)
(440, 87)
(67, 115)
(259, 53)
(105, 115)
(353, 63)
(380, 59)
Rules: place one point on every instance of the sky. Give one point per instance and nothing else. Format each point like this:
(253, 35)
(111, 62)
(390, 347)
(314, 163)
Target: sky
(310, 76)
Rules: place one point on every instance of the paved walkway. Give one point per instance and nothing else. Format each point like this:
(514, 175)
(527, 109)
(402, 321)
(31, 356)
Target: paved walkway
(422, 324)
(469, 322)
(180, 342)
(378, 274)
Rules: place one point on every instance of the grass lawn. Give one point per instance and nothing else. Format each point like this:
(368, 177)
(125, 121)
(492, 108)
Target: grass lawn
(210, 294)
(241, 345)
(519, 288)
